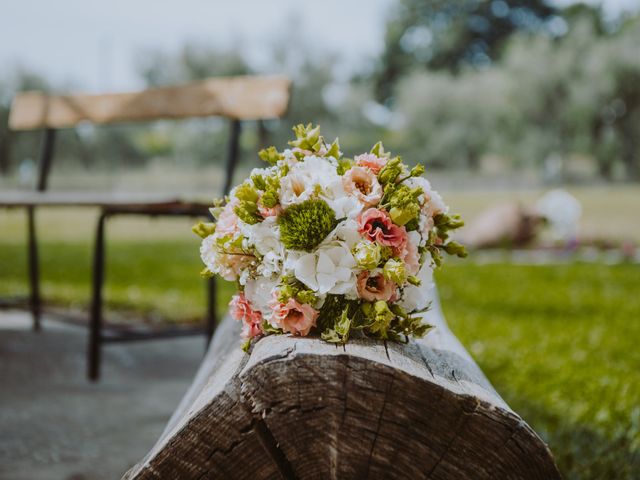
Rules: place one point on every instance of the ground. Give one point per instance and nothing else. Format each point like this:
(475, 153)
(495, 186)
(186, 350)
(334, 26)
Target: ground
(58, 426)
(557, 341)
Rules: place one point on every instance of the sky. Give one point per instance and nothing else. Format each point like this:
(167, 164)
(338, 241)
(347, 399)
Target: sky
(93, 45)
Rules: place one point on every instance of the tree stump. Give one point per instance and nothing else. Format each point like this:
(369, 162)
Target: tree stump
(302, 408)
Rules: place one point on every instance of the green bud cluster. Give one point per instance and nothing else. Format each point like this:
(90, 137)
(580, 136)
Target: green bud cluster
(402, 203)
(391, 171)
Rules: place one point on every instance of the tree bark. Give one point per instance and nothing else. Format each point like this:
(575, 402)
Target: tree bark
(302, 408)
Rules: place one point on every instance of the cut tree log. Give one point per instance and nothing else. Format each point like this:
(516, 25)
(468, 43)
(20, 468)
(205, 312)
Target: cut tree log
(302, 408)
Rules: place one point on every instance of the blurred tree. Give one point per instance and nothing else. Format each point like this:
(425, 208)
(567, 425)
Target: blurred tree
(193, 62)
(440, 34)
(19, 80)
(451, 120)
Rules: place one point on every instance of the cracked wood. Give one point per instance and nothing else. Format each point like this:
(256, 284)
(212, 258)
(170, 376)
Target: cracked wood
(302, 408)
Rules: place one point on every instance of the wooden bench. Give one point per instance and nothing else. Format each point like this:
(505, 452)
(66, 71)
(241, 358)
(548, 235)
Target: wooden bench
(303, 408)
(238, 99)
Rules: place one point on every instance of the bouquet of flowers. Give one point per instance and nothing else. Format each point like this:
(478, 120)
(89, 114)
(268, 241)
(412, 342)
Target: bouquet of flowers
(322, 244)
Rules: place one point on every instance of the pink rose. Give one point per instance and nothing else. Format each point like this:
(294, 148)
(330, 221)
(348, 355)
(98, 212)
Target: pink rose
(294, 317)
(251, 319)
(362, 183)
(376, 225)
(371, 161)
(375, 287)
(227, 222)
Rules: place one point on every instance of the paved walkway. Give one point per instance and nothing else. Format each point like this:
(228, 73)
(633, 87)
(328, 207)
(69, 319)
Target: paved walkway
(54, 424)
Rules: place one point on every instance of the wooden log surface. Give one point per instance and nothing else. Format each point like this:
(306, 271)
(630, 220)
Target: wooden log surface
(242, 98)
(302, 408)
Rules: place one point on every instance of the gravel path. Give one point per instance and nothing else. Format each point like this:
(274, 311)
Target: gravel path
(54, 424)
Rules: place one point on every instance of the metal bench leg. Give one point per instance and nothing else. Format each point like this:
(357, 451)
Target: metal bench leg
(34, 269)
(95, 322)
(233, 152)
(212, 316)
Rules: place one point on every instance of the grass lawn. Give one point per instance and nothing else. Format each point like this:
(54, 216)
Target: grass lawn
(558, 342)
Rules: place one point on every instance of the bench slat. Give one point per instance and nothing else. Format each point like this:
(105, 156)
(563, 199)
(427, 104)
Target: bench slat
(241, 98)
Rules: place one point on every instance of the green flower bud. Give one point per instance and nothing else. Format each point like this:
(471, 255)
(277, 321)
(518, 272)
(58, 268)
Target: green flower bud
(306, 296)
(307, 137)
(248, 212)
(270, 155)
(413, 280)
(259, 182)
(395, 271)
(269, 198)
(203, 230)
(390, 171)
(400, 216)
(454, 248)
(206, 273)
(417, 170)
(367, 254)
(247, 192)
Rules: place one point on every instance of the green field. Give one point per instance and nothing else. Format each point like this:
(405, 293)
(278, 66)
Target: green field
(558, 342)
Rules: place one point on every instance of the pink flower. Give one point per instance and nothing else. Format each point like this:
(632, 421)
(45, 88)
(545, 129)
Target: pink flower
(411, 258)
(269, 212)
(251, 319)
(371, 161)
(376, 225)
(362, 183)
(375, 287)
(294, 317)
(227, 222)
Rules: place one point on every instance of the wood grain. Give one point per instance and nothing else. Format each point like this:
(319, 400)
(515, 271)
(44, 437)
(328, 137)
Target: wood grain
(242, 98)
(302, 408)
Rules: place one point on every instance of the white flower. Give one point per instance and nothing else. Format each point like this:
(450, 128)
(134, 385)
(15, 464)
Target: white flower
(264, 237)
(317, 176)
(345, 206)
(418, 297)
(209, 252)
(330, 269)
(259, 292)
(346, 231)
(432, 201)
